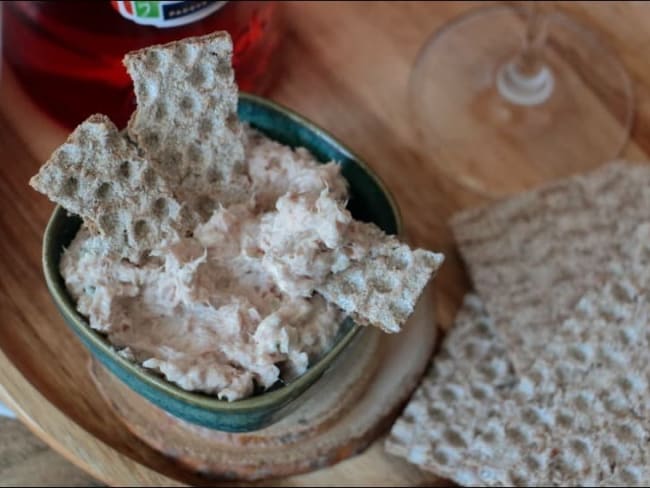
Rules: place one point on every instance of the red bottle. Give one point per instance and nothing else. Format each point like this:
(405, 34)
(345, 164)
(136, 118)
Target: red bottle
(68, 54)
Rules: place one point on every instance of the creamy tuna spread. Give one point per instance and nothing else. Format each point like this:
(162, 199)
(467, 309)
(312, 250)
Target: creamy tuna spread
(232, 307)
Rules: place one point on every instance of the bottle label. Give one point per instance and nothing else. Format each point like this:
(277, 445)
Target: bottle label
(165, 14)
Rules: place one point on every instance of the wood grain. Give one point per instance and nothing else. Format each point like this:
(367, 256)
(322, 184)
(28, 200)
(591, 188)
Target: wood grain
(346, 67)
(26, 460)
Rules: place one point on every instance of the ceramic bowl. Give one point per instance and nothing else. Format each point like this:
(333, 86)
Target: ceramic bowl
(369, 201)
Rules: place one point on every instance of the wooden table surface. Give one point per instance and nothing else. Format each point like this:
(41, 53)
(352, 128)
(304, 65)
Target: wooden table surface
(26, 460)
(347, 68)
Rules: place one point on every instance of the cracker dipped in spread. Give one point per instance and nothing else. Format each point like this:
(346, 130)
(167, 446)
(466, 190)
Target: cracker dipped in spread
(216, 257)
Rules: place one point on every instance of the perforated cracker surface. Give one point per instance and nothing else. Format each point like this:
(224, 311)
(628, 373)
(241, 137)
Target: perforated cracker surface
(186, 119)
(578, 416)
(98, 175)
(381, 289)
(532, 257)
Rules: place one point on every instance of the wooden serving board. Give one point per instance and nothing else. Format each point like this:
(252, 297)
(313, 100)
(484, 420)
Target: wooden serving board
(346, 67)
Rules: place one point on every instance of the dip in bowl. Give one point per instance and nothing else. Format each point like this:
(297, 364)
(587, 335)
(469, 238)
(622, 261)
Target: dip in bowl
(369, 201)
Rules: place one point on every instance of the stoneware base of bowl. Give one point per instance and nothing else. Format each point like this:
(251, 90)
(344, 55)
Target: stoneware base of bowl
(346, 409)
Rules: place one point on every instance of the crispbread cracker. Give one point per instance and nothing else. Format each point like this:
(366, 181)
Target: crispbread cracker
(533, 256)
(382, 288)
(182, 157)
(578, 416)
(454, 401)
(98, 175)
(186, 118)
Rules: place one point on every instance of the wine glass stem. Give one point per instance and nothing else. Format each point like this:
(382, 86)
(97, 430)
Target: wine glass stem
(526, 79)
(531, 57)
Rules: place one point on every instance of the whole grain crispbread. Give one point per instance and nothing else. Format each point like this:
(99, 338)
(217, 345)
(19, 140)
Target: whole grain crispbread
(182, 156)
(382, 287)
(186, 118)
(568, 266)
(578, 416)
(98, 175)
(532, 257)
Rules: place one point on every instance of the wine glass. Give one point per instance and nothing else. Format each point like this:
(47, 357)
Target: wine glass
(507, 97)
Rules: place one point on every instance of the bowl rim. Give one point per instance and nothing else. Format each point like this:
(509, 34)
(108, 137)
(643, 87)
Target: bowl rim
(158, 383)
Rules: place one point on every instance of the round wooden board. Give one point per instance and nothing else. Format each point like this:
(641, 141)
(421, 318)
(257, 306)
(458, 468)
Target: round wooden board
(344, 412)
(332, 76)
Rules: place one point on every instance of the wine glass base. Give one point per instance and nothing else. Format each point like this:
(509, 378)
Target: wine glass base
(496, 146)
(520, 90)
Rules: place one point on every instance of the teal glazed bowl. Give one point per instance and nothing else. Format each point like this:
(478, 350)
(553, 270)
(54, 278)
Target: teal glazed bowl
(369, 201)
